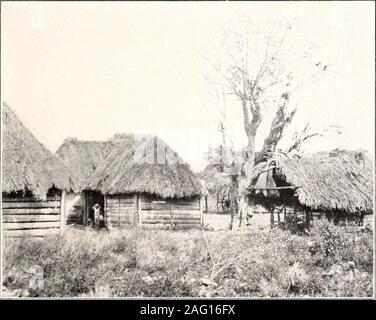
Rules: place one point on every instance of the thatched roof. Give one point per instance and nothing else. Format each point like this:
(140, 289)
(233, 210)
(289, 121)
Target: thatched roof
(336, 180)
(27, 165)
(215, 180)
(84, 157)
(150, 167)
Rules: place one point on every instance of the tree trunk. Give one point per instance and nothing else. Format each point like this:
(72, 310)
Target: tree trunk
(234, 201)
(280, 122)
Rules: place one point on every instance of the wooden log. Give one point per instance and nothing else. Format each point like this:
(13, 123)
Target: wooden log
(148, 206)
(201, 212)
(29, 199)
(116, 216)
(122, 219)
(36, 204)
(30, 225)
(167, 207)
(157, 221)
(176, 212)
(175, 202)
(121, 224)
(31, 232)
(168, 222)
(124, 204)
(62, 212)
(30, 218)
(175, 217)
(139, 208)
(127, 202)
(167, 217)
(168, 227)
(31, 211)
(193, 207)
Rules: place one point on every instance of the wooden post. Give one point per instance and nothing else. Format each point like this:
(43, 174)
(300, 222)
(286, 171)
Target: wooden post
(172, 216)
(62, 212)
(307, 218)
(201, 211)
(272, 218)
(139, 210)
(119, 212)
(206, 204)
(105, 211)
(85, 211)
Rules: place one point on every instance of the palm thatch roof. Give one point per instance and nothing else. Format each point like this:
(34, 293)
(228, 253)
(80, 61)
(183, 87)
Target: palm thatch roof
(150, 167)
(27, 165)
(84, 157)
(215, 180)
(335, 180)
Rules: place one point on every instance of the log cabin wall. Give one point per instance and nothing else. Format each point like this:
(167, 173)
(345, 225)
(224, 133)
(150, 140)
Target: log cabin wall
(121, 209)
(27, 216)
(153, 213)
(170, 214)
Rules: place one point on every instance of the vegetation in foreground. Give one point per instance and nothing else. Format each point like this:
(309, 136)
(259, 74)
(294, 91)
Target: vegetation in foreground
(332, 261)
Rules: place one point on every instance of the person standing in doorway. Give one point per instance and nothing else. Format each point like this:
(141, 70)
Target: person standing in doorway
(97, 214)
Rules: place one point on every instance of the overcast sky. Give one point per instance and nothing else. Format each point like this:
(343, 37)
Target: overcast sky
(90, 70)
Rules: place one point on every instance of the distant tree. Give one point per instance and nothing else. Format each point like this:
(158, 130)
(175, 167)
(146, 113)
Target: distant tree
(263, 66)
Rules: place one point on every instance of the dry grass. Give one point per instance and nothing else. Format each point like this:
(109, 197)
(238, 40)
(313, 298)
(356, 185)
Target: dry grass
(332, 261)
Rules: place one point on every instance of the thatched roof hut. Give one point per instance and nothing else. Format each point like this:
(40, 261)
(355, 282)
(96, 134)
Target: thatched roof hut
(84, 157)
(215, 179)
(339, 180)
(27, 165)
(151, 167)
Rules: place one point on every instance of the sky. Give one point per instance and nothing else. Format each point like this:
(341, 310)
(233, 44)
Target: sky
(92, 69)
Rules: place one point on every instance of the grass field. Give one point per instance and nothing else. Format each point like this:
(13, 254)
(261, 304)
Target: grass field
(330, 262)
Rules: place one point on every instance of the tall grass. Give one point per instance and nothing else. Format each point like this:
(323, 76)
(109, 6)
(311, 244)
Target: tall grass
(331, 261)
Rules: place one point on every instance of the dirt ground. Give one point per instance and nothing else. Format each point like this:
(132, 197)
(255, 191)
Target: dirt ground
(221, 221)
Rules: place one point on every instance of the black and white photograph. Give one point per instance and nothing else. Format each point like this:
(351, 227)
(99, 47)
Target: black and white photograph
(187, 150)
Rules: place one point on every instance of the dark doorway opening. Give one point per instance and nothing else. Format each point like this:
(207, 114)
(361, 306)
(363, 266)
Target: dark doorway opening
(92, 198)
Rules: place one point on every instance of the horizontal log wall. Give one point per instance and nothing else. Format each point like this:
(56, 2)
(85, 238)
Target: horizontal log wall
(30, 217)
(121, 209)
(170, 214)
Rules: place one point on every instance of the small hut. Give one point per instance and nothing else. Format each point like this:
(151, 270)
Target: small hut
(336, 184)
(83, 157)
(149, 186)
(218, 184)
(33, 182)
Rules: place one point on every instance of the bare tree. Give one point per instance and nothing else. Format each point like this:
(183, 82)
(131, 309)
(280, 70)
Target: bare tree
(264, 71)
(308, 133)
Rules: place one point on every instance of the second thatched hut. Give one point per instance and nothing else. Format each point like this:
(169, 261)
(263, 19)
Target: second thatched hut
(149, 186)
(337, 185)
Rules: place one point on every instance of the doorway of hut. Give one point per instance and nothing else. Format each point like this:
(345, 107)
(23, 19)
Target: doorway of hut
(92, 198)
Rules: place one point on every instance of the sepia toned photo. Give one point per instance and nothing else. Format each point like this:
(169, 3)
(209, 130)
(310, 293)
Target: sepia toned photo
(187, 150)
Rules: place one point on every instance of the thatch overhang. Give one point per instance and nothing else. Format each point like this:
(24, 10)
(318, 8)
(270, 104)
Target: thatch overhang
(337, 180)
(83, 157)
(27, 165)
(151, 167)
